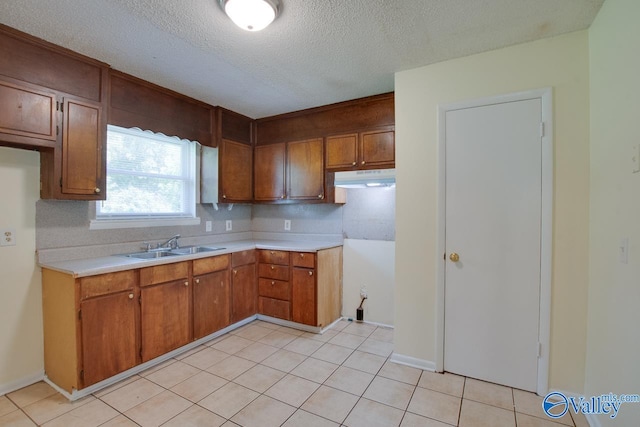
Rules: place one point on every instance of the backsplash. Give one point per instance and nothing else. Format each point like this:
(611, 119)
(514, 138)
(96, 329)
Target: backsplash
(369, 214)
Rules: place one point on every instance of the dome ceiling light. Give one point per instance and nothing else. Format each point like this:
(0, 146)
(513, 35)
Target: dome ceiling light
(251, 15)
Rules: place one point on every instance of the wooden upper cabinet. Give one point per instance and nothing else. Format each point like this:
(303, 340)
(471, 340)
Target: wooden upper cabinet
(27, 114)
(377, 148)
(269, 172)
(364, 150)
(82, 148)
(305, 168)
(236, 166)
(342, 151)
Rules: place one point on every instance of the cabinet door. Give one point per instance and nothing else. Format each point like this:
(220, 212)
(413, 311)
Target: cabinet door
(27, 112)
(305, 163)
(236, 167)
(108, 336)
(377, 148)
(303, 295)
(211, 303)
(82, 156)
(244, 292)
(269, 172)
(164, 318)
(342, 151)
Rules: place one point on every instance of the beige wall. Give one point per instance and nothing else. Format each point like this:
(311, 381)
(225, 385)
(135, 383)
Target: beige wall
(560, 62)
(613, 350)
(21, 348)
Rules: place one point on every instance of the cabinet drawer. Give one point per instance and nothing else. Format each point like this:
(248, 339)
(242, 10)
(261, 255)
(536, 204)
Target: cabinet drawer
(274, 257)
(164, 273)
(274, 308)
(303, 259)
(107, 283)
(209, 265)
(274, 289)
(271, 271)
(243, 257)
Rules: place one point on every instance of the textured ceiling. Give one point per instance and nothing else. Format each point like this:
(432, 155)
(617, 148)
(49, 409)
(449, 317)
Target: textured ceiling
(316, 52)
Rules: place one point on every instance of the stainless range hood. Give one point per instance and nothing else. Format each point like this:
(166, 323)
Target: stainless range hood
(366, 178)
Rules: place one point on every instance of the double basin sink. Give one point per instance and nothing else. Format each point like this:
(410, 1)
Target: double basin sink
(160, 253)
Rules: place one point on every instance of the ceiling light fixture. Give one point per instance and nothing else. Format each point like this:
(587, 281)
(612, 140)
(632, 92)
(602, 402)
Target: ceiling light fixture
(251, 15)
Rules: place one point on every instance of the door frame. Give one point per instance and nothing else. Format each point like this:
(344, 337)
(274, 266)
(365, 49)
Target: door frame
(546, 243)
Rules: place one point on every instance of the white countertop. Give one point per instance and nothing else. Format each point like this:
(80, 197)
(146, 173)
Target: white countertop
(110, 264)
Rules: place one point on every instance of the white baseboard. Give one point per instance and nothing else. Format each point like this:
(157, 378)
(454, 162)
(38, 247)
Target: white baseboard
(21, 383)
(414, 362)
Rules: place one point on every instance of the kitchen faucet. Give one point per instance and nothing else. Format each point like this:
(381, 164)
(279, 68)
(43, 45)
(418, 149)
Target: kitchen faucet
(172, 243)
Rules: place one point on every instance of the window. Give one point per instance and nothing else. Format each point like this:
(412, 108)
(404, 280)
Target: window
(151, 180)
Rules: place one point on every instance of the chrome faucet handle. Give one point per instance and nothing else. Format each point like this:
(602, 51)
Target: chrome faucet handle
(147, 246)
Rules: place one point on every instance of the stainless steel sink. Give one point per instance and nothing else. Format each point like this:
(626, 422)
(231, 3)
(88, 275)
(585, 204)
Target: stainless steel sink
(188, 250)
(151, 254)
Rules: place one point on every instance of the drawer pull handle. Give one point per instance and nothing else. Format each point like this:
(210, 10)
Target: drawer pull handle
(301, 255)
(130, 296)
(271, 252)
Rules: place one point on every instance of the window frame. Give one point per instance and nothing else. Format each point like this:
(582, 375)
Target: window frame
(192, 179)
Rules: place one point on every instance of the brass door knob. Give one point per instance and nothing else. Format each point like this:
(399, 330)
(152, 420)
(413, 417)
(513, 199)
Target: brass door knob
(454, 257)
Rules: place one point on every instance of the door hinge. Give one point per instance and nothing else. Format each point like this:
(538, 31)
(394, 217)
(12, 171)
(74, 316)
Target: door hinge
(60, 182)
(82, 374)
(62, 107)
(542, 129)
(80, 314)
(140, 352)
(57, 130)
(539, 349)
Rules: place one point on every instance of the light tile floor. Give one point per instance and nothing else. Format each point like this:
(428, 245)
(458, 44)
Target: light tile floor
(264, 375)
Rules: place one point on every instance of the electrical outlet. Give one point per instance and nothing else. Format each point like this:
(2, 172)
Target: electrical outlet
(207, 226)
(229, 225)
(8, 237)
(287, 225)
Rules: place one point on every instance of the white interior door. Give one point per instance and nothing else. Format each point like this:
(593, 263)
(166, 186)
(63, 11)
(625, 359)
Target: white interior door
(493, 223)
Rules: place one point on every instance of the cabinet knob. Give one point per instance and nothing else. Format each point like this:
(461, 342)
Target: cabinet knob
(273, 283)
(320, 196)
(311, 273)
(96, 190)
(353, 164)
(271, 252)
(282, 197)
(272, 267)
(235, 272)
(130, 296)
(186, 283)
(363, 162)
(197, 280)
(301, 255)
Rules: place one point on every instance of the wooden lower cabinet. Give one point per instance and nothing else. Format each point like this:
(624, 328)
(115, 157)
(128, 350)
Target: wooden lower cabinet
(96, 327)
(303, 295)
(108, 326)
(243, 285)
(211, 303)
(90, 327)
(165, 301)
(164, 311)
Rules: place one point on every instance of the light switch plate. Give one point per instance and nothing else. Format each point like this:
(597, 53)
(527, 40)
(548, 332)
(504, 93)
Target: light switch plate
(287, 225)
(8, 237)
(229, 225)
(207, 226)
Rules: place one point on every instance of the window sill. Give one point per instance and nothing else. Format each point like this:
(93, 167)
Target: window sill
(108, 224)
